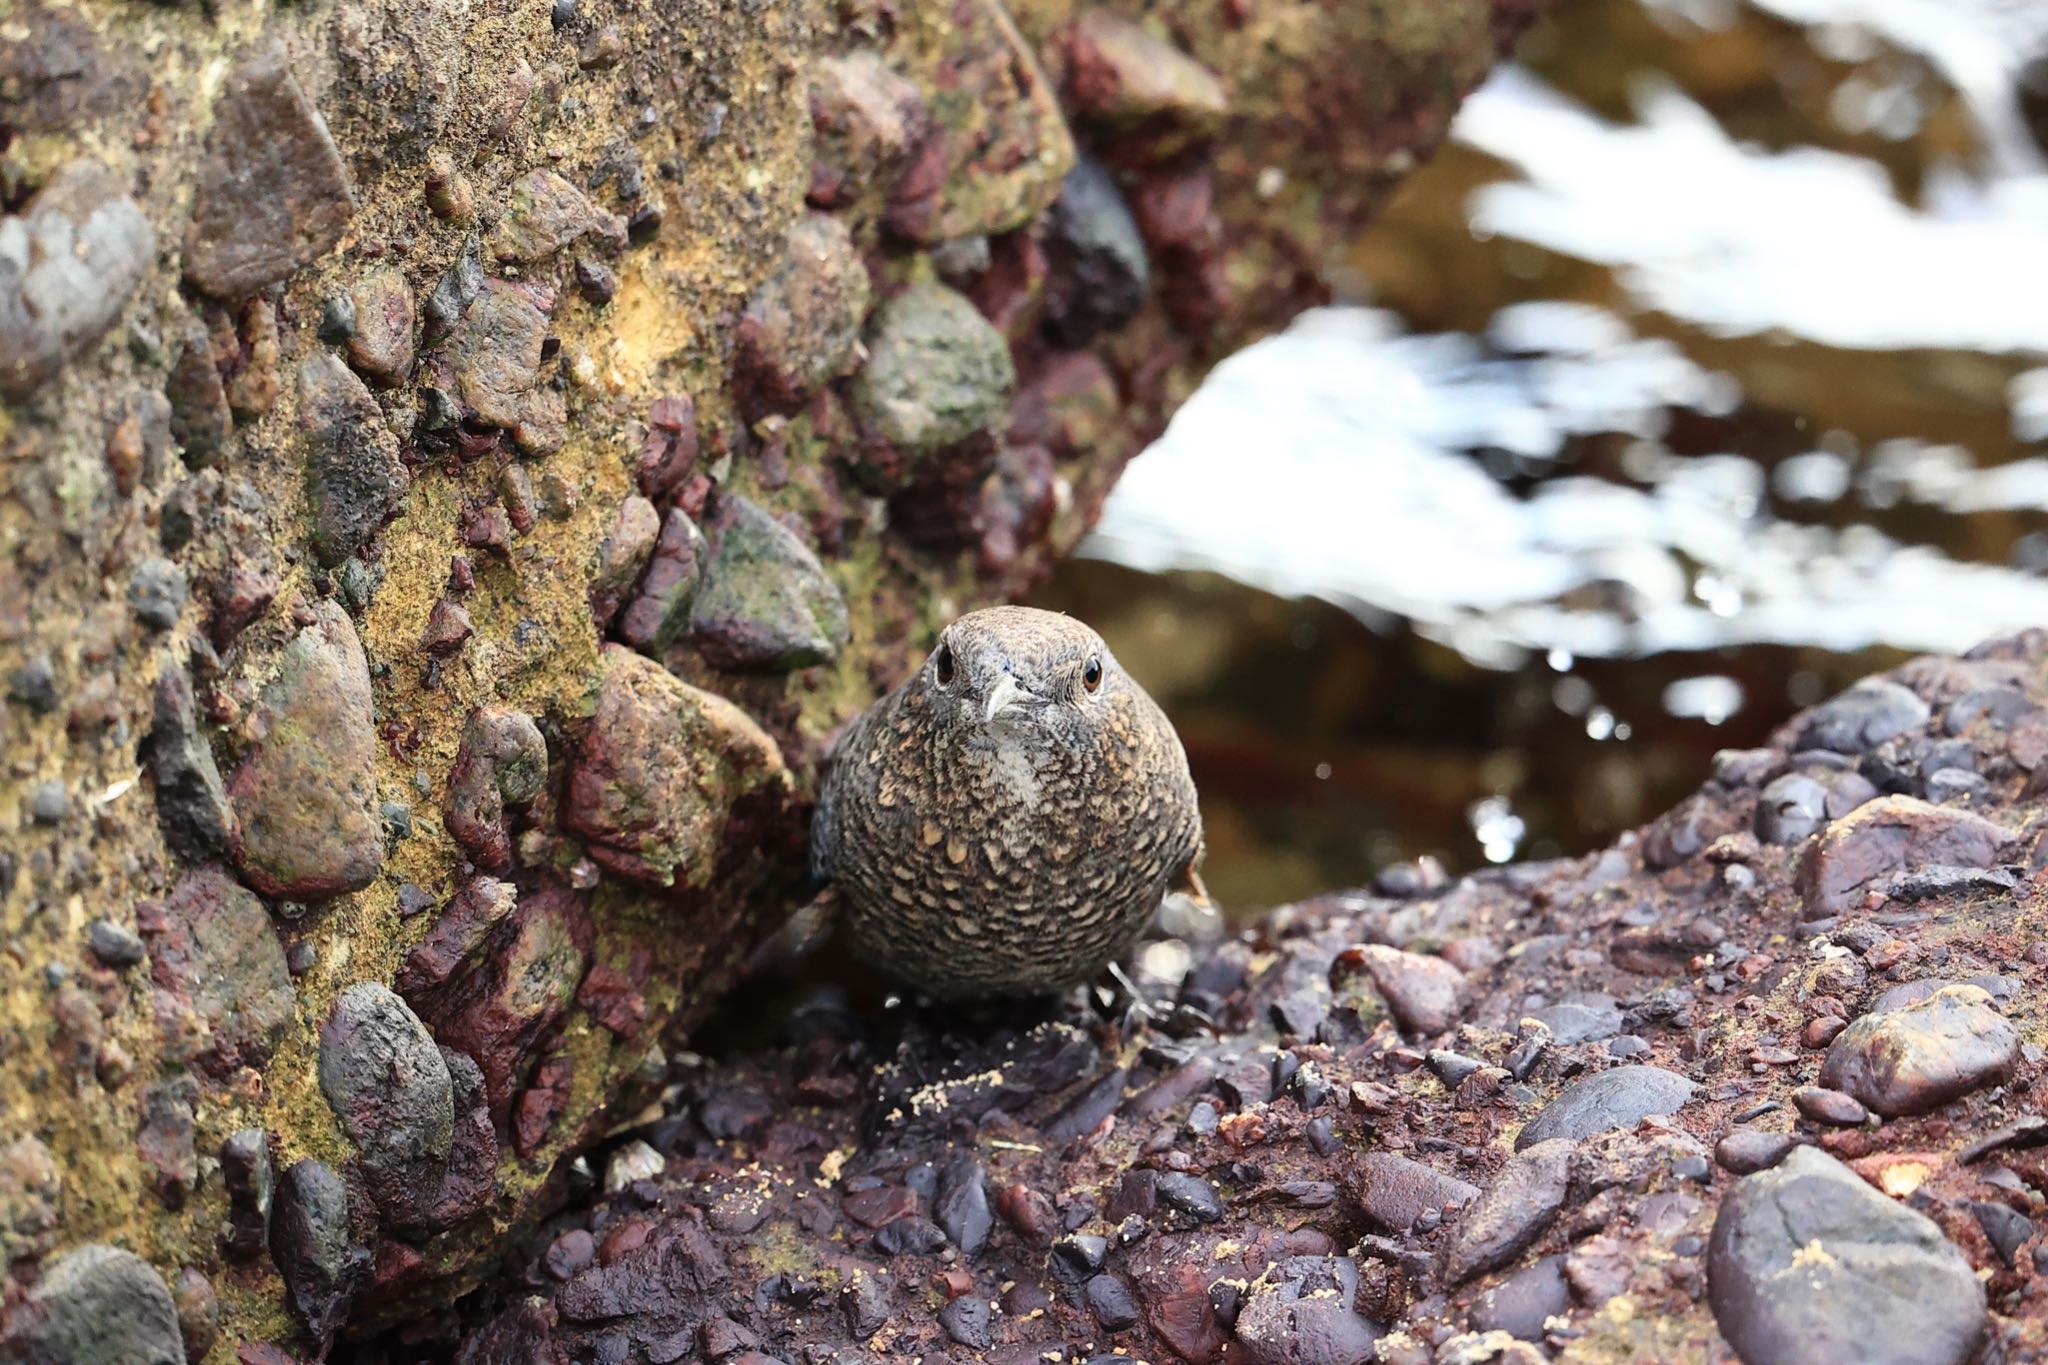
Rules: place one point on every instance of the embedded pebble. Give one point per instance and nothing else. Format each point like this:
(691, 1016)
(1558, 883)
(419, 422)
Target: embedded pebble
(31, 1194)
(1099, 272)
(1620, 1097)
(764, 601)
(668, 590)
(543, 214)
(501, 763)
(191, 801)
(354, 477)
(1863, 717)
(658, 770)
(389, 1088)
(1581, 1018)
(1790, 809)
(1921, 1056)
(380, 346)
(1823, 1105)
(1512, 1212)
(249, 1178)
(114, 945)
(1299, 1312)
(937, 371)
(69, 262)
(1396, 1192)
(305, 795)
(1127, 78)
(1864, 848)
(273, 192)
(1809, 1265)
(98, 1304)
(1752, 1149)
(1525, 1301)
(621, 555)
(48, 801)
(1424, 994)
(309, 1241)
(494, 353)
(801, 326)
(867, 120)
(222, 995)
(157, 592)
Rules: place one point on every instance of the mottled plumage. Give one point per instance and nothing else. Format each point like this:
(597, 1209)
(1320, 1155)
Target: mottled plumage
(1009, 818)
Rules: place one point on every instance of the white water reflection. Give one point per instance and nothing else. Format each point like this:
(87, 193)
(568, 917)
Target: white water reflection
(1739, 240)
(1331, 462)
(1352, 461)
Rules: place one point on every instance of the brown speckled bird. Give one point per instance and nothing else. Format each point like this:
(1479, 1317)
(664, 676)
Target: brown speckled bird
(1007, 820)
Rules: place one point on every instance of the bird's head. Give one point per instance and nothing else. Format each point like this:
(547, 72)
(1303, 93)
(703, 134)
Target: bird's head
(1015, 671)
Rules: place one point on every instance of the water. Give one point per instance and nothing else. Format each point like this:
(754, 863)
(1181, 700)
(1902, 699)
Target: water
(1707, 368)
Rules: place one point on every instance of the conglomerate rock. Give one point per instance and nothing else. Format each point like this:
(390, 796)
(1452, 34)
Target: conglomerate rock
(413, 406)
(1279, 1167)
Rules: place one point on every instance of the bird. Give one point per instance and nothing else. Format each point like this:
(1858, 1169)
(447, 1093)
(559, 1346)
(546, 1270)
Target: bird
(1009, 818)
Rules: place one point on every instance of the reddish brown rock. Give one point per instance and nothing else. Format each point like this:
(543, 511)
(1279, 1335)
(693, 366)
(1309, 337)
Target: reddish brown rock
(1885, 836)
(223, 997)
(501, 765)
(1396, 1192)
(1911, 1060)
(381, 346)
(998, 145)
(800, 327)
(273, 192)
(500, 999)
(544, 213)
(1140, 86)
(658, 771)
(660, 615)
(1424, 994)
(867, 119)
(621, 555)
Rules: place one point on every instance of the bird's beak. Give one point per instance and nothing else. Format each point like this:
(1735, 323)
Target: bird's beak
(1006, 696)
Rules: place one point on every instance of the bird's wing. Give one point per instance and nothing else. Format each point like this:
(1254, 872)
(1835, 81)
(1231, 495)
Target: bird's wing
(825, 821)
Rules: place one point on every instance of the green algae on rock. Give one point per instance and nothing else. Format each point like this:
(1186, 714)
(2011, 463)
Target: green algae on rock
(937, 372)
(659, 769)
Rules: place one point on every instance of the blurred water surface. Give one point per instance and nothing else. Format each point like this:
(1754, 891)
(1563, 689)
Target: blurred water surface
(1706, 369)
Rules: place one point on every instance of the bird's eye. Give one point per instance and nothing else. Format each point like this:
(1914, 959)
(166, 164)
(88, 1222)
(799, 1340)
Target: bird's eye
(942, 667)
(1091, 675)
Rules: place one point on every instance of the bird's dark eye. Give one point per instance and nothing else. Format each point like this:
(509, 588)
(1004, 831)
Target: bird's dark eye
(942, 667)
(1091, 675)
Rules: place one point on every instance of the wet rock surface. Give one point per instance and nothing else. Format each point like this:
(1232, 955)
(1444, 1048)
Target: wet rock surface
(1152, 1195)
(1922, 1055)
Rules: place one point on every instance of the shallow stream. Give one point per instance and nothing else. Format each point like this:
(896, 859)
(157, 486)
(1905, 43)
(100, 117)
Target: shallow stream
(1704, 370)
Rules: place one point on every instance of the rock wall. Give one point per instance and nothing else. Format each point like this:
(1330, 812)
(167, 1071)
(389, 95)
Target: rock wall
(1761, 1081)
(463, 460)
